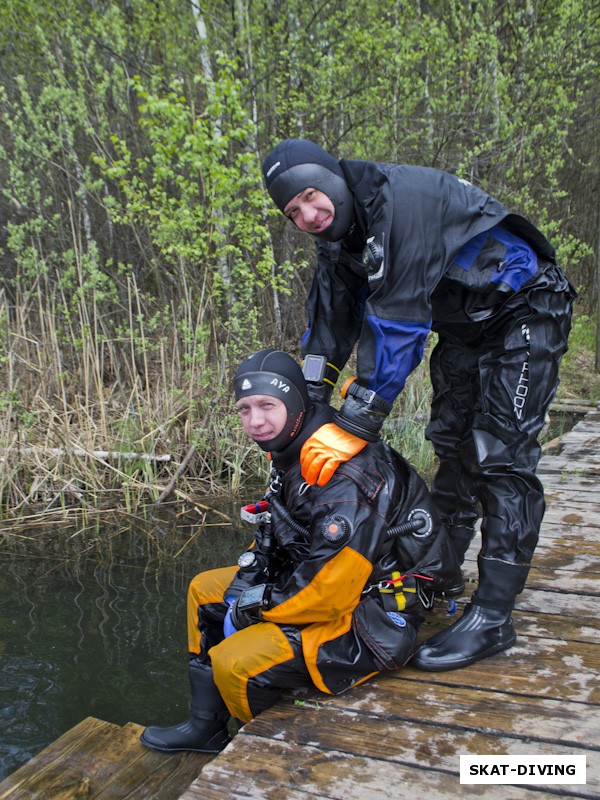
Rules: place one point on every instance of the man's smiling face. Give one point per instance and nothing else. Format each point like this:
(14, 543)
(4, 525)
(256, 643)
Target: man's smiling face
(311, 211)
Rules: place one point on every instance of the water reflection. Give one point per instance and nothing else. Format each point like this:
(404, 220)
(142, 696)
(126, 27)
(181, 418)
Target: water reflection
(92, 622)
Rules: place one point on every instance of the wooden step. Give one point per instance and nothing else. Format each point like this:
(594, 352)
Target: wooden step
(98, 760)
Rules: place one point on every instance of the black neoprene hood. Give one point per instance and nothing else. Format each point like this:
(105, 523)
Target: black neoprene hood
(297, 164)
(276, 374)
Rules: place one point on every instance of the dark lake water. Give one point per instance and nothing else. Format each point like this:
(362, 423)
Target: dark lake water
(92, 621)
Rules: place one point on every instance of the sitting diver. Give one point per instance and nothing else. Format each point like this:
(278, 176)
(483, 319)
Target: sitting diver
(333, 588)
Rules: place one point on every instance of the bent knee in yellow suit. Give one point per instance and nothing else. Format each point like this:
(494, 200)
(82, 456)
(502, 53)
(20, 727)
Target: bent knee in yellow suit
(206, 587)
(244, 655)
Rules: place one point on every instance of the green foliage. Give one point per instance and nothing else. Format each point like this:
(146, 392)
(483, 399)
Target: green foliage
(583, 334)
(579, 377)
(196, 191)
(141, 257)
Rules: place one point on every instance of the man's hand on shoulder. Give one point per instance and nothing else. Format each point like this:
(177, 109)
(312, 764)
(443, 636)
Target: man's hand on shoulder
(325, 450)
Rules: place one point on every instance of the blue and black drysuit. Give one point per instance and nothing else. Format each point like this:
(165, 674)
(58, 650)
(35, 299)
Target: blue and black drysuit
(429, 251)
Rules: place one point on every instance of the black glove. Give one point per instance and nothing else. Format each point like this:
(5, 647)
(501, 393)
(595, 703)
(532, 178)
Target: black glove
(243, 619)
(319, 392)
(363, 412)
(245, 610)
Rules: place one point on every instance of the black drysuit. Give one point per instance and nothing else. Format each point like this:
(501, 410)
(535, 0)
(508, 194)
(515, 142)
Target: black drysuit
(332, 574)
(431, 251)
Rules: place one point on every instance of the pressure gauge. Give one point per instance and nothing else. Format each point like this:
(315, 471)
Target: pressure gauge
(246, 560)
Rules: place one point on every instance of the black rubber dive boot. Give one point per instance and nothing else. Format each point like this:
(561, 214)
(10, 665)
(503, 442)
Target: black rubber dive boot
(486, 625)
(479, 633)
(206, 730)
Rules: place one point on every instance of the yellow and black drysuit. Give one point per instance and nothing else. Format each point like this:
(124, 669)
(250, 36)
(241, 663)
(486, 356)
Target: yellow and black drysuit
(332, 574)
(332, 589)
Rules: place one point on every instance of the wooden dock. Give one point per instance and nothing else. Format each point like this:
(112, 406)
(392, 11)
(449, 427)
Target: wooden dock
(401, 734)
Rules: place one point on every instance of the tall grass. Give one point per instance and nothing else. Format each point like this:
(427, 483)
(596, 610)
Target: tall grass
(98, 410)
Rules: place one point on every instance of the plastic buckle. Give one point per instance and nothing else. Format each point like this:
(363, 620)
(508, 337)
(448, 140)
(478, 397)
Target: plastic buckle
(368, 395)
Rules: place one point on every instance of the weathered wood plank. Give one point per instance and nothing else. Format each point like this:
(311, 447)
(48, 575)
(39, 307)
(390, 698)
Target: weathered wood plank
(93, 745)
(565, 518)
(580, 575)
(570, 482)
(572, 531)
(551, 668)
(549, 602)
(567, 627)
(148, 774)
(379, 730)
(97, 760)
(569, 513)
(576, 555)
(580, 498)
(455, 708)
(564, 464)
(201, 790)
(319, 772)
(557, 599)
(555, 626)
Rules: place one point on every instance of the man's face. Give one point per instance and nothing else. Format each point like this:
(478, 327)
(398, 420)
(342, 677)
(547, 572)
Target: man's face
(263, 416)
(310, 210)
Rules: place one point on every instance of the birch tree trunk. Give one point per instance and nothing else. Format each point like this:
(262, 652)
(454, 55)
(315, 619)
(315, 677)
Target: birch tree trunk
(244, 49)
(222, 263)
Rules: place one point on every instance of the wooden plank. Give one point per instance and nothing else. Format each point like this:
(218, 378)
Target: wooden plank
(562, 490)
(538, 601)
(393, 765)
(570, 484)
(561, 463)
(201, 790)
(380, 730)
(555, 626)
(579, 513)
(149, 774)
(567, 627)
(97, 760)
(573, 549)
(579, 499)
(571, 528)
(93, 746)
(574, 552)
(550, 668)
(581, 516)
(580, 576)
(448, 707)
